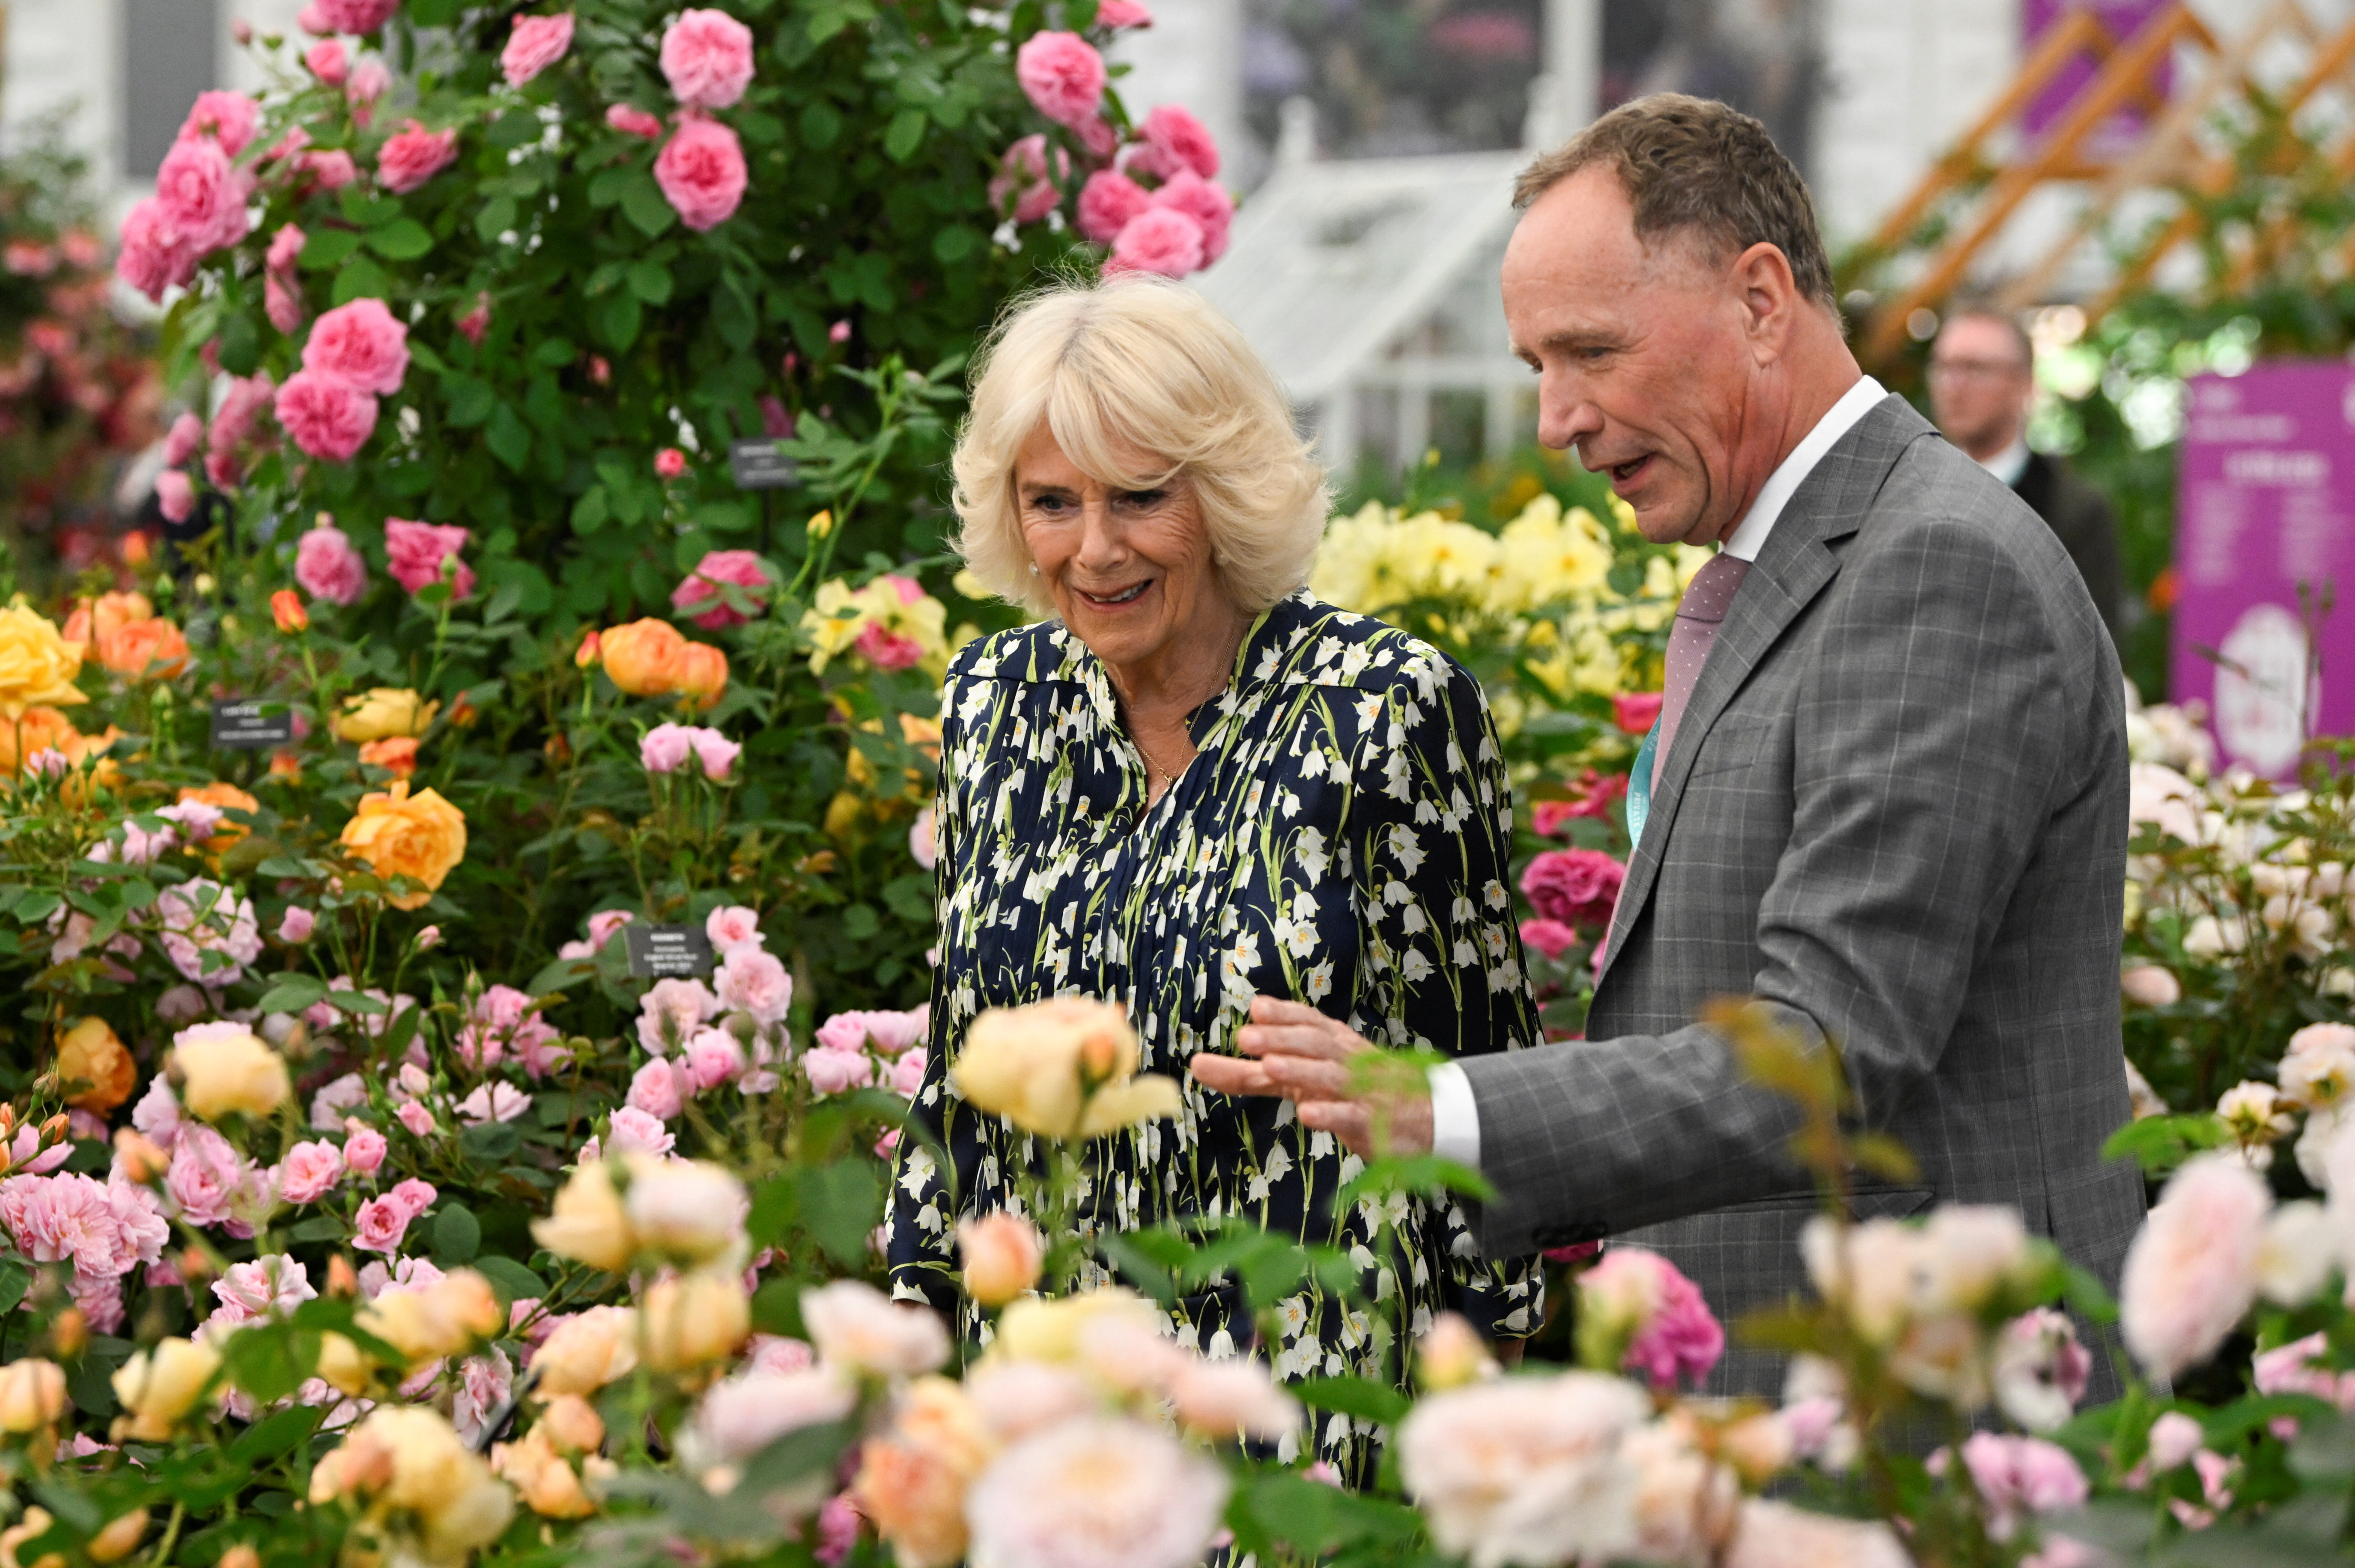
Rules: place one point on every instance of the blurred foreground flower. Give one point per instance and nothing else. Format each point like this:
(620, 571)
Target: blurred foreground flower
(1064, 1068)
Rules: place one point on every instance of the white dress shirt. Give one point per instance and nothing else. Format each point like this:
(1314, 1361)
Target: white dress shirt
(2009, 464)
(1455, 1112)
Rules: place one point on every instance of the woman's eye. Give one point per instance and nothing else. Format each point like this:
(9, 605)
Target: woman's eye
(1144, 501)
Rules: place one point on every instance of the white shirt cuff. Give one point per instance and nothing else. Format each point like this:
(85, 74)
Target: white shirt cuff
(1454, 1115)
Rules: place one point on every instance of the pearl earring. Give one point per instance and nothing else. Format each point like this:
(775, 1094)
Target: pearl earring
(1034, 568)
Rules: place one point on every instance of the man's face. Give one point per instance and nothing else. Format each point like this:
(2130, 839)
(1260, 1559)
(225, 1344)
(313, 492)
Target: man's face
(1645, 359)
(1980, 385)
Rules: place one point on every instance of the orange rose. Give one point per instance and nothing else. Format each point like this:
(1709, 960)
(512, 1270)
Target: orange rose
(286, 766)
(286, 608)
(89, 750)
(643, 657)
(422, 837)
(397, 754)
(151, 649)
(39, 729)
(108, 613)
(702, 674)
(224, 796)
(93, 1064)
(591, 652)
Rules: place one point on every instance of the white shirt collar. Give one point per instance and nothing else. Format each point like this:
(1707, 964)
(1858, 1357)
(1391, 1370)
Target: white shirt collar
(1749, 535)
(2010, 463)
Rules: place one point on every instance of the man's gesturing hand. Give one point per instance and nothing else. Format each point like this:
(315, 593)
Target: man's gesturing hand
(1292, 1051)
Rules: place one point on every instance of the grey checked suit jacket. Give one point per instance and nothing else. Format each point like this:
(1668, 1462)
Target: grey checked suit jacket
(1896, 810)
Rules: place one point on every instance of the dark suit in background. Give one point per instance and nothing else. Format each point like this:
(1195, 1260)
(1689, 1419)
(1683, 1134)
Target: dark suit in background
(2080, 515)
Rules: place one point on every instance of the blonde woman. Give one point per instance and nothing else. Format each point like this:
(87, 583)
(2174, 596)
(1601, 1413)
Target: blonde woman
(1193, 785)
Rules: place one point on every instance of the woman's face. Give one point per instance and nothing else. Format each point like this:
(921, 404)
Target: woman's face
(1129, 571)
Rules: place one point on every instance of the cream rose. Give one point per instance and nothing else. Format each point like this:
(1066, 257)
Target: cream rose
(1064, 1068)
(691, 1210)
(32, 1396)
(694, 1319)
(225, 1067)
(587, 1223)
(1002, 1254)
(587, 1352)
(157, 1388)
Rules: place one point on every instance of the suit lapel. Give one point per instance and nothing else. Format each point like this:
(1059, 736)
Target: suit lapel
(1796, 562)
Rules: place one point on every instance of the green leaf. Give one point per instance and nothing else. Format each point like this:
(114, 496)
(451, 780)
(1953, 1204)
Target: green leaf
(318, 1228)
(14, 1280)
(906, 134)
(509, 438)
(955, 243)
(820, 124)
(589, 514)
(293, 993)
(402, 239)
(617, 319)
(274, 1434)
(510, 1278)
(491, 1142)
(643, 204)
(240, 344)
(514, 128)
(327, 248)
(457, 1234)
(650, 280)
(35, 908)
(840, 1204)
(269, 1360)
(2160, 1144)
(471, 401)
(358, 279)
(497, 216)
(1359, 1397)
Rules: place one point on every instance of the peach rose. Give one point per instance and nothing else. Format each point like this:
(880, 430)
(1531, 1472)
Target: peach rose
(694, 1319)
(587, 1223)
(158, 1388)
(589, 1351)
(702, 674)
(643, 657)
(912, 1480)
(32, 1396)
(37, 666)
(397, 754)
(144, 650)
(1002, 1254)
(398, 835)
(90, 1054)
(34, 731)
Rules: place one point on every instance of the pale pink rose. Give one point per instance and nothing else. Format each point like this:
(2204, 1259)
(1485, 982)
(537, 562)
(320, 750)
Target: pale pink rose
(739, 568)
(202, 918)
(264, 1285)
(203, 194)
(707, 58)
(326, 417)
(1108, 202)
(484, 1384)
(714, 1057)
(364, 1150)
(416, 1118)
(632, 121)
(493, 1103)
(141, 1230)
(1175, 142)
(331, 170)
(1160, 239)
(157, 1114)
(414, 1195)
(371, 79)
(839, 333)
(604, 923)
(779, 1353)
(669, 463)
(1063, 77)
(334, 1099)
(379, 1225)
(157, 252)
(281, 302)
(842, 1032)
(715, 753)
(833, 1072)
(2192, 1273)
(537, 43)
(229, 118)
(407, 160)
(418, 552)
(660, 1089)
(1133, 1491)
(671, 1011)
(101, 1302)
(755, 982)
(891, 1031)
(1671, 1330)
(175, 496)
(1770, 1534)
(1207, 205)
(702, 171)
(360, 344)
(205, 1176)
(65, 1218)
(327, 565)
(184, 438)
(357, 16)
(309, 1172)
(2021, 1476)
(325, 60)
(908, 1073)
(1022, 175)
(743, 1414)
(635, 1130)
(732, 926)
(664, 747)
(2175, 1436)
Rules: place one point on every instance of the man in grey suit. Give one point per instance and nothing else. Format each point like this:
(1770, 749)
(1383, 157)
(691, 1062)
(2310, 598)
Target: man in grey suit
(1886, 795)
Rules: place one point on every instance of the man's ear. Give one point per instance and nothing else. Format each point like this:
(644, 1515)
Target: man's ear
(1770, 298)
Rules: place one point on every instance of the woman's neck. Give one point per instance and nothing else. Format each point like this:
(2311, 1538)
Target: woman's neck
(1183, 673)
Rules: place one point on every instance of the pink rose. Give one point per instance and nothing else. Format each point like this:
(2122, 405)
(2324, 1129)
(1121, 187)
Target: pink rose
(1100, 139)
(371, 79)
(923, 848)
(175, 496)
(702, 171)
(493, 1103)
(732, 926)
(1676, 1334)
(1122, 14)
(418, 552)
(887, 649)
(714, 1057)
(632, 120)
(1550, 937)
(2191, 1271)
(360, 344)
(1635, 711)
(414, 1197)
(537, 43)
(1160, 239)
(666, 746)
(2021, 1476)
(1063, 76)
(754, 982)
(1108, 202)
(186, 436)
(477, 321)
(416, 1118)
(205, 1176)
(325, 416)
(670, 1011)
(669, 463)
(839, 333)
(659, 1089)
(407, 160)
(227, 118)
(327, 61)
(296, 925)
(355, 16)
(203, 193)
(364, 1150)
(891, 1032)
(908, 1073)
(707, 56)
(380, 1224)
(1206, 204)
(1175, 142)
(281, 302)
(330, 170)
(309, 1172)
(1576, 887)
(327, 565)
(717, 752)
(1022, 174)
(738, 568)
(833, 1072)
(605, 924)
(156, 253)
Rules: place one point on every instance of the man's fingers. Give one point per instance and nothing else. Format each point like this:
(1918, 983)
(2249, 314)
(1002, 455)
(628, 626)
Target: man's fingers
(1305, 1078)
(1266, 1009)
(1292, 1039)
(1345, 1119)
(1232, 1075)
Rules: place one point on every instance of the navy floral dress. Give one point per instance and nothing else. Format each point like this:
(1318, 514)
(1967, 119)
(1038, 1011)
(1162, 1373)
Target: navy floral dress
(1340, 839)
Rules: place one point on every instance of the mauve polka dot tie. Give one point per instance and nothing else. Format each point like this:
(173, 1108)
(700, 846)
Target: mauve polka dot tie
(1699, 615)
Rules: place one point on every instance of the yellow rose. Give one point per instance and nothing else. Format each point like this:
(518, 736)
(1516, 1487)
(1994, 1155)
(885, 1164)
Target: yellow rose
(32, 1396)
(94, 1068)
(421, 836)
(694, 1319)
(387, 711)
(643, 657)
(1037, 1330)
(412, 1458)
(229, 1068)
(1062, 1068)
(587, 1223)
(343, 1364)
(589, 1351)
(158, 1388)
(36, 666)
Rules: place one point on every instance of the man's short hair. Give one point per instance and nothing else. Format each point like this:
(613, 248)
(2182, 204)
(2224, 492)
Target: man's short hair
(1985, 310)
(1697, 166)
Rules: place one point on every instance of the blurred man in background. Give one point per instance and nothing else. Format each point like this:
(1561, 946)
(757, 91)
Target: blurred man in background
(1982, 378)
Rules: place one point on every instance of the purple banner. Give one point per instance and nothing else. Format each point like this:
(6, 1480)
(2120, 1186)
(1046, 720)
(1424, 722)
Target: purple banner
(2265, 506)
(2123, 19)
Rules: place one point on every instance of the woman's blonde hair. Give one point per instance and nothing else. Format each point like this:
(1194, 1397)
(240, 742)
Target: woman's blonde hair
(1141, 363)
